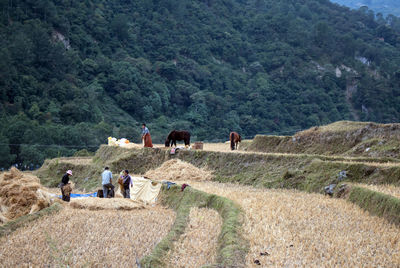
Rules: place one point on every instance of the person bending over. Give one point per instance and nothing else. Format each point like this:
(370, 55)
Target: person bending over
(146, 136)
(64, 181)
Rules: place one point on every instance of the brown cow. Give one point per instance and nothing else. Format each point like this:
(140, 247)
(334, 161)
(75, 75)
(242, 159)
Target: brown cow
(235, 138)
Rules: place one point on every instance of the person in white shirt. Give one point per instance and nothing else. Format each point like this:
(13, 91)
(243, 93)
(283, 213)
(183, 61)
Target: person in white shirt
(106, 180)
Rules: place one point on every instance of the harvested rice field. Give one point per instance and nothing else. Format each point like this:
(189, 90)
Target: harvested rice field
(198, 245)
(84, 238)
(297, 229)
(384, 188)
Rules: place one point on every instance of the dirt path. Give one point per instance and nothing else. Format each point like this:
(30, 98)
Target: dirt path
(294, 229)
(84, 238)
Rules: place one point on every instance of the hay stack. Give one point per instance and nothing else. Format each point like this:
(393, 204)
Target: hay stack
(93, 203)
(21, 194)
(177, 170)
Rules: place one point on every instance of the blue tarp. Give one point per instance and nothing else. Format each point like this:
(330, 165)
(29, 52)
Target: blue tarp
(81, 195)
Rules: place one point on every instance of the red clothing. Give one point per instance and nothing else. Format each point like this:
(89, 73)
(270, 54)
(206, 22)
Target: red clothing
(147, 140)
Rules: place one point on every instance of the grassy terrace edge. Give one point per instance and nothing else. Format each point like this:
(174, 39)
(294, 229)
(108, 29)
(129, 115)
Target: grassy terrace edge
(13, 225)
(232, 247)
(376, 203)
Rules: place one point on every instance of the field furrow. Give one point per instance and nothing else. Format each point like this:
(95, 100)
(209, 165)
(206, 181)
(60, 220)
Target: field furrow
(198, 245)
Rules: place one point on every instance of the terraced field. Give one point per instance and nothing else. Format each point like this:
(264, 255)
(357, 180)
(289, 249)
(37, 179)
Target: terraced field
(297, 229)
(279, 216)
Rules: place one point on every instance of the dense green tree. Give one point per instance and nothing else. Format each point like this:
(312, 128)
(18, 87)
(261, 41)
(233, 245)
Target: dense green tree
(6, 158)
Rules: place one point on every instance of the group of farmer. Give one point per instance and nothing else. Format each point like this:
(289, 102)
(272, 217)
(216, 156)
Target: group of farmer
(124, 181)
(106, 177)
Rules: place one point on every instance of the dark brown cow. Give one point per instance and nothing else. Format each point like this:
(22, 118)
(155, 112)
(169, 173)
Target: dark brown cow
(235, 138)
(177, 135)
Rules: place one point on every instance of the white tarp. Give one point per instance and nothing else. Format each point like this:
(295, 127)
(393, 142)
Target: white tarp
(143, 190)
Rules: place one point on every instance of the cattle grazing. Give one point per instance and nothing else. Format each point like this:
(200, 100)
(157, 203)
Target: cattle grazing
(235, 138)
(177, 135)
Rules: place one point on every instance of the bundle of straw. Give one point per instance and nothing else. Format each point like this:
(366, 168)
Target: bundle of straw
(21, 194)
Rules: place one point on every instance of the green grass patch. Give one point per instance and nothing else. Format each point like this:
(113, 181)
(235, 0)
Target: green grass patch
(376, 203)
(85, 176)
(13, 225)
(232, 247)
(294, 171)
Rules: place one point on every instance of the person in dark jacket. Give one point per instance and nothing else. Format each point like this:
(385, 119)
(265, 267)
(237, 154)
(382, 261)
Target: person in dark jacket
(127, 181)
(64, 181)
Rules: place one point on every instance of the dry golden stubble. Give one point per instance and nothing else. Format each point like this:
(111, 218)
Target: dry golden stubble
(80, 237)
(198, 245)
(297, 229)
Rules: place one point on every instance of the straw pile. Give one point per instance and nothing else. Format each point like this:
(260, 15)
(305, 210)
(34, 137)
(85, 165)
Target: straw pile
(94, 203)
(198, 245)
(84, 238)
(177, 170)
(294, 229)
(21, 194)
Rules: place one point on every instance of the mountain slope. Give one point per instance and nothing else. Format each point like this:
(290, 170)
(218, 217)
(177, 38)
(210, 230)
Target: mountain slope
(385, 7)
(73, 73)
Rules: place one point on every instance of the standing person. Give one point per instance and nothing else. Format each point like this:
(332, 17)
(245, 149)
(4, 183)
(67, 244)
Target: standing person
(146, 136)
(64, 181)
(127, 181)
(106, 180)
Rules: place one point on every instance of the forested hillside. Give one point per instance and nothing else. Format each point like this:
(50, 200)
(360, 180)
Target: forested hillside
(385, 7)
(73, 73)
